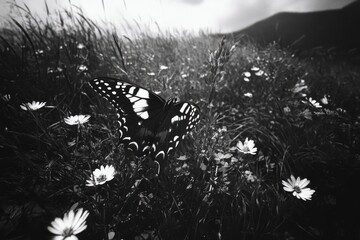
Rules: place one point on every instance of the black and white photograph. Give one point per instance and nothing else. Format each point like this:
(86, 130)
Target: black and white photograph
(179, 119)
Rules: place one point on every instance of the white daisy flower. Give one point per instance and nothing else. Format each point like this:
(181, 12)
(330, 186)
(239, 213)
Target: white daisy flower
(247, 74)
(300, 87)
(297, 187)
(259, 73)
(314, 103)
(325, 100)
(287, 109)
(6, 97)
(101, 176)
(82, 68)
(249, 176)
(32, 106)
(248, 147)
(80, 46)
(77, 119)
(249, 95)
(70, 225)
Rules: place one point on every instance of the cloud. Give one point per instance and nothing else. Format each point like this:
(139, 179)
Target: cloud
(194, 2)
(191, 15)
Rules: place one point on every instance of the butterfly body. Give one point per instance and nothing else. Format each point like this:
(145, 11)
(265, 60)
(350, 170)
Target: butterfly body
(149, 125)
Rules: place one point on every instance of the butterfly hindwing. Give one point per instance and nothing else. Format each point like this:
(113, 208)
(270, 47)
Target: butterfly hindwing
(180, 120)
(148, 124)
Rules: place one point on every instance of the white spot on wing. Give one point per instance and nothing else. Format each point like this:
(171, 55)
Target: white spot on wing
(146, 148)
(135, 144)
(131, 90)
(143, 115)
(140, 104)
(133, 99)
(143, 93)
(170, 148)
(184, 106)
(175, 119)
(161, 152)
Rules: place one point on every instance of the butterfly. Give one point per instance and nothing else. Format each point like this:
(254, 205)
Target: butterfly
(149, 125)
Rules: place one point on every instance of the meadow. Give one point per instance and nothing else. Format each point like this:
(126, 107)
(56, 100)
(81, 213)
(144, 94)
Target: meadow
(266, 114)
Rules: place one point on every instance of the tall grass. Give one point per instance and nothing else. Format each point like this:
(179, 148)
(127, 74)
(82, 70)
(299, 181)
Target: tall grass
(211, 190)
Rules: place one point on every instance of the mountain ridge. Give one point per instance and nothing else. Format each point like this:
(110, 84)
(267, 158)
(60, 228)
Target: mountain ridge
(331, 29)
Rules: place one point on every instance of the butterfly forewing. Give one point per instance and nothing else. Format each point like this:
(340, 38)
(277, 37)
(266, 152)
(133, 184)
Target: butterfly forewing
(148, 125)
(127, 97)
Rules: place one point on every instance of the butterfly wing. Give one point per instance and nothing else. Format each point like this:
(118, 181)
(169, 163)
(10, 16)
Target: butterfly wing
(180, 119)
(138, 112)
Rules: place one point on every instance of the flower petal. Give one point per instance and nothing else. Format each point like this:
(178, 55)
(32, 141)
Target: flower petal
(303, 183)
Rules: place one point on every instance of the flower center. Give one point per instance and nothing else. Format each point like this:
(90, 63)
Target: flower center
(297, 189)
(68, 232)
(101, 178)
(246, 149)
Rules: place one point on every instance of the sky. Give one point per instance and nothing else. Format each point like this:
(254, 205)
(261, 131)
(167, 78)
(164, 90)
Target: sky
(167, 15)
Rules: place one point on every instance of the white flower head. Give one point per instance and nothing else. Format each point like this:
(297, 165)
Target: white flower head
(82, 68)
(101, 176)
(32, 106)
(249, 95)
(297, 187)
(80, 46)
(77, 119)
(70, 225)
(163, 67)
(248, 147)
(259, 73)
(314, 103)
(6, 97)
(325, 100)
(287, 109)
(299, 87)
(249, 176)
(247, 74)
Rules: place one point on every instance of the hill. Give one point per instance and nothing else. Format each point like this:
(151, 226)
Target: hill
(331, 29)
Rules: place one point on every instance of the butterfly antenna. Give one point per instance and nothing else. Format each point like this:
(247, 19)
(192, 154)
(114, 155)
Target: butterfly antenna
(120, 52)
